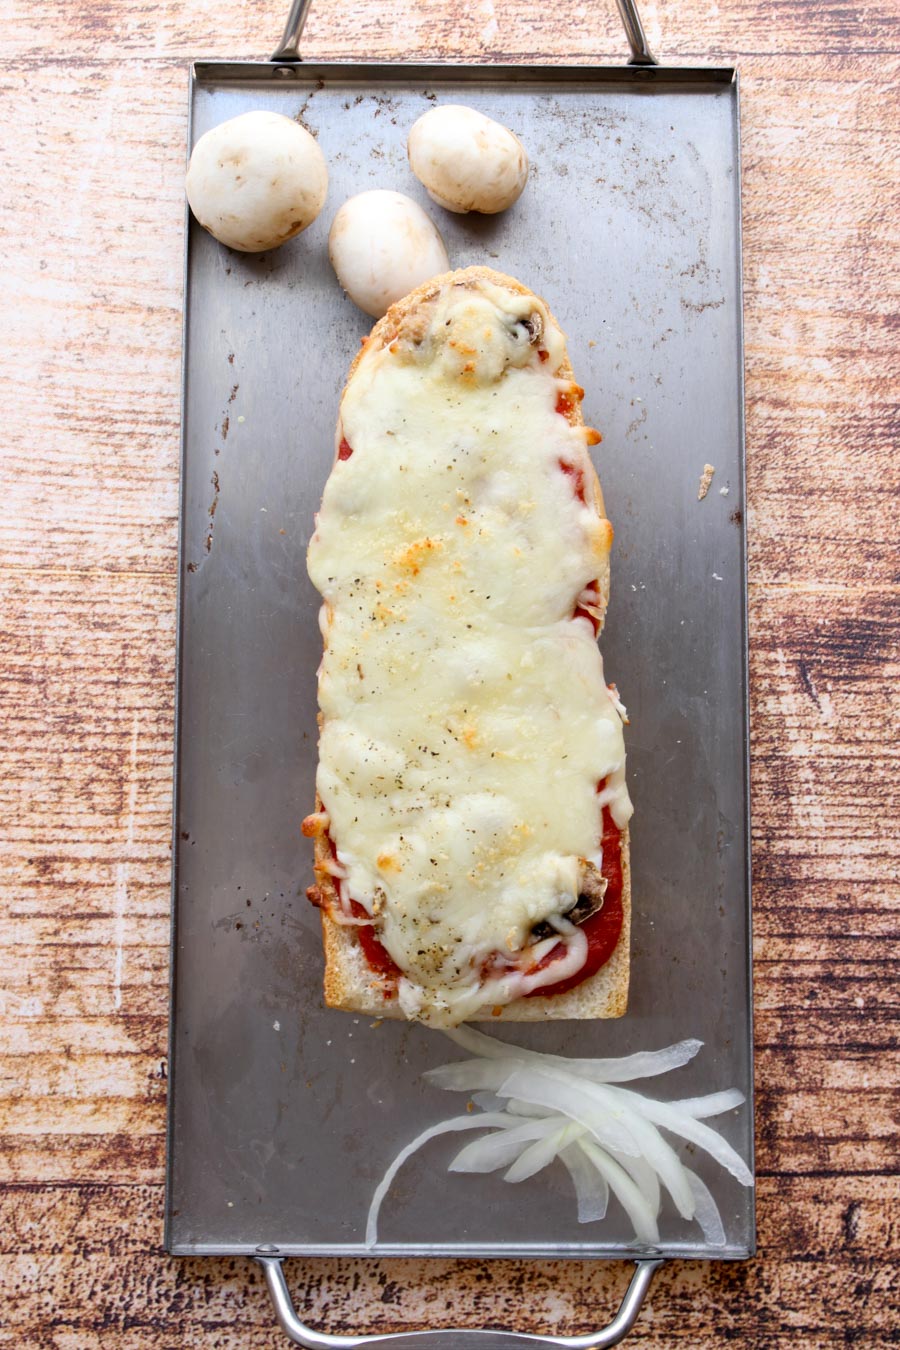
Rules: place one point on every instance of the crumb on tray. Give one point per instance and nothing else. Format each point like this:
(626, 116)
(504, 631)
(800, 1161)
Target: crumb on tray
(705, 479)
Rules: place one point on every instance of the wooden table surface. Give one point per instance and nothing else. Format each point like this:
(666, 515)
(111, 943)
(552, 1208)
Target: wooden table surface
(95, 100)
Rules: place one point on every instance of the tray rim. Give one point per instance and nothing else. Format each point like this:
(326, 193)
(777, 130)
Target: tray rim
(673, 1251)
(203, 73)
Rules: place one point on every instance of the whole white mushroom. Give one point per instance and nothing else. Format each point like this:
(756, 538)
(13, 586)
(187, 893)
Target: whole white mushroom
(466, 161)
(382, 245)
(256, 181)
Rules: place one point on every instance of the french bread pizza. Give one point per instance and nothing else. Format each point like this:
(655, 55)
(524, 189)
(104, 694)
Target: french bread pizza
(471, 823)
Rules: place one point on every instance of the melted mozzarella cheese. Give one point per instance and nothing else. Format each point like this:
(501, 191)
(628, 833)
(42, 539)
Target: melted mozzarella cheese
(466, 723)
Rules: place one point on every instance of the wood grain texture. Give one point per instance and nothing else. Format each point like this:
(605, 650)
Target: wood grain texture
(493, 29)
(92, 228)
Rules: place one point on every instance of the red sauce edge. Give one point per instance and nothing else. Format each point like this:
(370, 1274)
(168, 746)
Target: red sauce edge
(577, 476)
(602, 929)
(377, 956)
(345, 449)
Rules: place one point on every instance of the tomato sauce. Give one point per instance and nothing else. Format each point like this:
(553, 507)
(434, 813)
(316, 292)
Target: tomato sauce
(377, 956)
(602, 929)
(577, 477)
(345, 449)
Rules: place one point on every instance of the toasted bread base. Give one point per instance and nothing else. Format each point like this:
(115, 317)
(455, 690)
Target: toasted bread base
(350, 983)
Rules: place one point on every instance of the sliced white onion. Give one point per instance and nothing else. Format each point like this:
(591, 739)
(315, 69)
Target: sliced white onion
(642, 1064)
(712, 1105)
(664, 1162)
(694, 1131)
(517, 1108)
(543, 1106)
(488, 1101)
(569, 1098)
(636, 1205)
(501, 1148)
(539, 1154)
(482, 1122)
(706, 1211)
(646, 1180)
(468, 1075)
(591, 1189)
(485, 1047)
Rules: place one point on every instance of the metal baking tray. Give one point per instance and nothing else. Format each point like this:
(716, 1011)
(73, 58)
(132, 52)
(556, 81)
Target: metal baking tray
(283, 1115)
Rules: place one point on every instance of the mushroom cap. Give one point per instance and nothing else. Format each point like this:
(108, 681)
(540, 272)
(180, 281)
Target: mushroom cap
(467, 161)
(256, 180)
(382, 245)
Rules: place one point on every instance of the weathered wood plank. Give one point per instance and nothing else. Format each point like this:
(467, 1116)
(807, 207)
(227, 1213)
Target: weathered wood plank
(815, 330)
(93, 255)
(811, 1229)
(93, 303)
(134, 1156)
(491, 30)
(91, 1217)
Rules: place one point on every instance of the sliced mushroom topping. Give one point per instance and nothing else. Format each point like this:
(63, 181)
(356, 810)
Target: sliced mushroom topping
(590, 893)
(534, 327)
(590, 900)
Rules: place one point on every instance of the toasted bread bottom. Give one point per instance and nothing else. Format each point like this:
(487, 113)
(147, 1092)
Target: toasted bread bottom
(351, 984)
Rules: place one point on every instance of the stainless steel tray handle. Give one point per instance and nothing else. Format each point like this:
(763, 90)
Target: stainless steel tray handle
(641, 54)
(288, 48)
(300, 1334)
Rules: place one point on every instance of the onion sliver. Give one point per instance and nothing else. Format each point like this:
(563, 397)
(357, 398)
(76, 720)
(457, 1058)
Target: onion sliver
(706, 1211)
(501, 1148)
(482, 1122)
(646, 1180)
(665, 1115)
(488, 1101)
(572, 1100)
(541, 1107)
(635, 1204)
(591, 1189)
(539, 1154)
(642, 1064)
(664, 1161)
(473, 1074)
(485, 1047)
(712, 1105)
(517, 1108)
(646, 1142)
